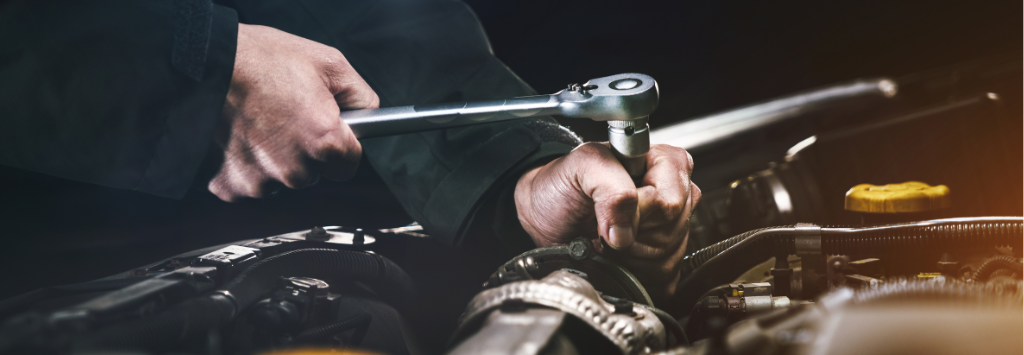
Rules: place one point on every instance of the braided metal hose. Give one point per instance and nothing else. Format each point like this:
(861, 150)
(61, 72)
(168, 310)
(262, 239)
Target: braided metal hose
(696, 259)
(933, 235)
(965, 292)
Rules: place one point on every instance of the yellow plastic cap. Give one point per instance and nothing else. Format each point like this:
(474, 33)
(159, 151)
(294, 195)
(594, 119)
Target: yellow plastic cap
(910, 196)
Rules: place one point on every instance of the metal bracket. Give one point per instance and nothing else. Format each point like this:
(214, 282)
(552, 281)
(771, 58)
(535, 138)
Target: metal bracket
(808, 239)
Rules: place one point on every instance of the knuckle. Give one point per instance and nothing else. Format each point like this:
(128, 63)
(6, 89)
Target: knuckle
(373, 101)
(295, 179)
(292, 176)
(671, 206)
(620, 196)
(332, 58)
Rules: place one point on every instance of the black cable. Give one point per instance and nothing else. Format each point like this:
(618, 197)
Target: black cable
(670, 323)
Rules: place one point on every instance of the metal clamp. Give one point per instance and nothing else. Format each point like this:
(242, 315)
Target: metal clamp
(808, 239)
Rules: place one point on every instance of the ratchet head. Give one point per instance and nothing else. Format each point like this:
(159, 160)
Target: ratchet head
(619, 97)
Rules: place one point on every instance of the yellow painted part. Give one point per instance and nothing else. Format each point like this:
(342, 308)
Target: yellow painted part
(910, 196)
(315, 351)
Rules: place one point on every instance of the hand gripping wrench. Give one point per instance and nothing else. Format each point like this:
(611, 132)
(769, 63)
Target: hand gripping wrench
(624, 101)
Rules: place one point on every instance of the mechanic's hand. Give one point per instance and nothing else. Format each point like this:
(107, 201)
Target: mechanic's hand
(588, 193)
(281, 117)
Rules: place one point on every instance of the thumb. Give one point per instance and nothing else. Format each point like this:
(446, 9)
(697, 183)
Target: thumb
(614, 195)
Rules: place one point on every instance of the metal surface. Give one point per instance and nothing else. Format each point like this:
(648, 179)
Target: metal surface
(513, 333)
(632, 333)
(808, 239)
(630, 141)
(624, 100)
(780, 196)
(332, 235)
(578, 258)
(702, 131)
(595, 100)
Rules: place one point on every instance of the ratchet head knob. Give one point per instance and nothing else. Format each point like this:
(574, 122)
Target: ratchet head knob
(612, 98)
(630, 141)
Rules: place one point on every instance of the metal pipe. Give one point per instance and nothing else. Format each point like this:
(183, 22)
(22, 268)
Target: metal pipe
(702, 131)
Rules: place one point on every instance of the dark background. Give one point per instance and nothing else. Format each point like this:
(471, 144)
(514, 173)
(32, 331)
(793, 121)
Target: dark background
(706, 56)
(710, 56)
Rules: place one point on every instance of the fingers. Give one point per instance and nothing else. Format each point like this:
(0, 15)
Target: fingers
(604, 180)
(281, 115)
(350, 90)
(341, 154)
(664, 203)
(660, 276)
(341, 151)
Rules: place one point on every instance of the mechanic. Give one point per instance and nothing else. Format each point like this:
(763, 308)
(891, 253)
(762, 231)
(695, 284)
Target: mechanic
(126, 94)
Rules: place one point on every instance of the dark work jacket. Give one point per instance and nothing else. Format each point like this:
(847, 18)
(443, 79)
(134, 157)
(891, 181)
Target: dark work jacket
(107, 108)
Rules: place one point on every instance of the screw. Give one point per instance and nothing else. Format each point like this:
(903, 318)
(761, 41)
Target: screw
(578, 249)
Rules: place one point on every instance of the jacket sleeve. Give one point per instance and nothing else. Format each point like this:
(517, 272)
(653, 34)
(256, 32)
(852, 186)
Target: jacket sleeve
(456, 182)
(120, 93)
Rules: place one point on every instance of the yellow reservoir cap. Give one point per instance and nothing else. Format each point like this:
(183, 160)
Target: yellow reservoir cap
(910, 196)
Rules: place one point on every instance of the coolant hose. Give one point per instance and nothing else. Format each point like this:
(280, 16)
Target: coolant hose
(191, 319)
(754, 247)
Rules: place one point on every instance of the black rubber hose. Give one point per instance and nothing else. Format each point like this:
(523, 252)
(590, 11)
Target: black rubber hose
(759, 245)
(190, 320)
(360, 322)
(726, 266)
(997, 263)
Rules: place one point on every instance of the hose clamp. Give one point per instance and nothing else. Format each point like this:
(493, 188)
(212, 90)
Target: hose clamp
(808, 239)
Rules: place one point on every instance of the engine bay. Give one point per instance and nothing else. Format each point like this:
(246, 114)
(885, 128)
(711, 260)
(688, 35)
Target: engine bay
(876, 216)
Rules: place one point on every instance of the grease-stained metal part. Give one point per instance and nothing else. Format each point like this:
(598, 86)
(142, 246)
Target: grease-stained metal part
(633, 333)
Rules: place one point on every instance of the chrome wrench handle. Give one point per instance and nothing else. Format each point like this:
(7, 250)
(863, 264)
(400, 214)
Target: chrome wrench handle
(626, 97)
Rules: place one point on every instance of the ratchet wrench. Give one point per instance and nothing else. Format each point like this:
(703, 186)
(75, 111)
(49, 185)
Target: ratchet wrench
(624, 101)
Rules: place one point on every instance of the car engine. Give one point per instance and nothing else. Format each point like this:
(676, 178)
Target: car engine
(878, 216)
